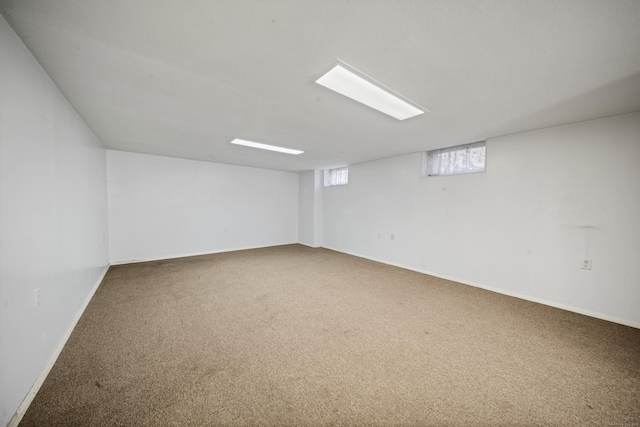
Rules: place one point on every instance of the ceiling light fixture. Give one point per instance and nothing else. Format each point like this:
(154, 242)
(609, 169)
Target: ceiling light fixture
(356, 85)
(265, 146)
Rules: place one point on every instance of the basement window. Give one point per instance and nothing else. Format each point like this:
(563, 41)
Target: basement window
(467, 158)
(338, 176)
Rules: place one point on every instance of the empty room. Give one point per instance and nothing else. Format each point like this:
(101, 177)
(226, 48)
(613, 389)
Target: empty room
(318, 213)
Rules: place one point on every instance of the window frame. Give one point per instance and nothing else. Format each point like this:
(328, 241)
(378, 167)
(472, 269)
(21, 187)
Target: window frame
(426, 166)
(331, 178)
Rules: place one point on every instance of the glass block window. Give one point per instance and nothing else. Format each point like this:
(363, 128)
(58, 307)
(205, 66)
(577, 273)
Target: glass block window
(468, 158)
(338, 176)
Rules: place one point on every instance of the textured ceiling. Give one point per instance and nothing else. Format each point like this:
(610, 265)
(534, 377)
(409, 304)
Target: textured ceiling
(183, 78)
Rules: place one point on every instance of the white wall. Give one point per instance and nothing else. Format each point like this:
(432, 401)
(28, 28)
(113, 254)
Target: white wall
(310, 208)
(161, 207)
(53, 218)
(549, 199)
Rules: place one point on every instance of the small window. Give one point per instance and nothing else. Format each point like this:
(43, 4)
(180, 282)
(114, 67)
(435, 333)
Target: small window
(336, 177)
(468, 158)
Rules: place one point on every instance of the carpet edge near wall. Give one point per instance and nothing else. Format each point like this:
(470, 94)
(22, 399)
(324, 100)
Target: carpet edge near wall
(194, 254)
(42, 376)
(24, 405)
(518, 295)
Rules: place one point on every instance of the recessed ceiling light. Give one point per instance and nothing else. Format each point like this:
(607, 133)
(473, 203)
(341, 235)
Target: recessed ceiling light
(356, 85)
(265, 146)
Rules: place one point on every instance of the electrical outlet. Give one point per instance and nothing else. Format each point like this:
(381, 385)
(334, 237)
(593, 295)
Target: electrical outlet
(36, 298)
(393, 236)
(585, 264)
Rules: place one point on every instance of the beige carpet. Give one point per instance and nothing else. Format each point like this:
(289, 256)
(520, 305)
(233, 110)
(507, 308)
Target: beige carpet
(294, 336)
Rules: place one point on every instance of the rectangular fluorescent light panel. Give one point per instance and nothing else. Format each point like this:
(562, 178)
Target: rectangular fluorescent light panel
(358, 86)
(265, 146)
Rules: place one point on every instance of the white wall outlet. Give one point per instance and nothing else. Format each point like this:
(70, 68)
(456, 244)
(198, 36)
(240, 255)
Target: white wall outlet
(585, 264)
(392, 237)
(36, 298)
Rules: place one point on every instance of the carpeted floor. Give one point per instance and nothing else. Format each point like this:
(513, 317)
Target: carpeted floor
(294, 336)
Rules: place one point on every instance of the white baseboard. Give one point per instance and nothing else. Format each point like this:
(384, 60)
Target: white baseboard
(17, 417)
(308, 245)
(504, 292)
(22, 409)
(135, 261)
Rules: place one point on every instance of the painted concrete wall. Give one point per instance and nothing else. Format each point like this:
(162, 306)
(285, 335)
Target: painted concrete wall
(310, 208)
(162, 207)
(549, 199)
(53, 218)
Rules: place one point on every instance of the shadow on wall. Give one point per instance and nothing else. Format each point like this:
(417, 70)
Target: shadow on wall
(619, 97)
